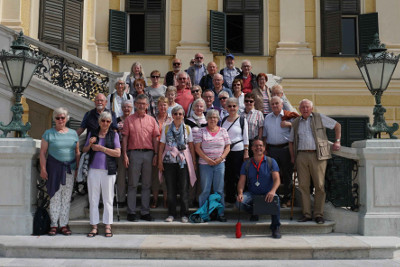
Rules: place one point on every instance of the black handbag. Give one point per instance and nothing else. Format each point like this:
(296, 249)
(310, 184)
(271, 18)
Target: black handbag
(41, 220)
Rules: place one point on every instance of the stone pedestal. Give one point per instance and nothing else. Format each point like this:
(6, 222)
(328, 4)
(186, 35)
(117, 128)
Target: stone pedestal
(379, 179)
(18, 185)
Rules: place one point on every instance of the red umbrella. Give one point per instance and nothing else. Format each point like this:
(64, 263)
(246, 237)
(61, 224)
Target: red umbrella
(239, 226)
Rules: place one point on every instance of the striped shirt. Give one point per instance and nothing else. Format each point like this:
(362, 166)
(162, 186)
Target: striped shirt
(212, 146)
(255, 120)
(266, 107)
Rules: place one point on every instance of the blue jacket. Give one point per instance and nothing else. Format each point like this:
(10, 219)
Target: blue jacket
(213, 202)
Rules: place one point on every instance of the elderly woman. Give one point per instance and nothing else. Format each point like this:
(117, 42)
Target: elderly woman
(114, 100)
(263, 95)
(212, 145)
(177, 160)
(162, 119)
(238, 132)
(237, 88)
(277, 90)
(223, 97)
(127, 108)
(136, 73)
(255, 119)
(196, 93)
(62, 146)
(104, 148)
(156, 89)
(139, 86)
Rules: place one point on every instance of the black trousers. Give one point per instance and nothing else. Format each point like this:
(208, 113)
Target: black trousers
(282, 157)
(233, 164)
(177, 178)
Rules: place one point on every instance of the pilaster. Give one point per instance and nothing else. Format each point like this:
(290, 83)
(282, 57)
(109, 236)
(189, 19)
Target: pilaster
(11, 14)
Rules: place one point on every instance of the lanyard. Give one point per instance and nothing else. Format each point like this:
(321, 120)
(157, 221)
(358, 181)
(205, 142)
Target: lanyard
(257, 167)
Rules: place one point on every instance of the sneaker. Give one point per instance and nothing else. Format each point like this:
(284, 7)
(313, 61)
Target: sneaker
(170, 219)
(147, 217)
(319, 220)
(184, 219)
(276, 233)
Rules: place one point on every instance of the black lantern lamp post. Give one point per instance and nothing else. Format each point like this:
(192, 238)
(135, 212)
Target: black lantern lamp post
(19, 65)
(377, 68)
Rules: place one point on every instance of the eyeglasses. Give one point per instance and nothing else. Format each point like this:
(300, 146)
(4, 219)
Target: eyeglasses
(182, 79)
(237, 84)
(99, 100)
(60, 118)
(198, 57)
(195, 91)
(223, 98)
(153, 76)
(249, 101)
(176, 64)
(231, 106)
(206, 96)
(105, 121)
(120, 83)
(178, 114)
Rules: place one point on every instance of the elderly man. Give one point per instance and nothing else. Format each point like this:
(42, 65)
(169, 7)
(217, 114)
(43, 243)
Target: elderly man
(197, 71)
(218, 88)
(230, 71)
(276, 136)
(184, 96)
(249, 78)
(90, 120)
(261, 179)
(209, 97)
(207, 81)
(140, 150)
(170, 77)
(309, 151)
(277, 90)
(114, 100)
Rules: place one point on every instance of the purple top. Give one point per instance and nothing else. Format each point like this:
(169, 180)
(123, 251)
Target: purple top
(99, 158)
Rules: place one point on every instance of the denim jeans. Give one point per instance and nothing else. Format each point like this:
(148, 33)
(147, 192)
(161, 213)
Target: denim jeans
(212, 176)
(247, 205)
(177, 178)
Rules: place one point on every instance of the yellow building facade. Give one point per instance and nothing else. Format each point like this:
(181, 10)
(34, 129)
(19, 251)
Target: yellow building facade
(292, 42)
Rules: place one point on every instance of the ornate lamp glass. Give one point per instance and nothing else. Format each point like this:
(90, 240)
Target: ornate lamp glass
(377, 68)
(19, 65)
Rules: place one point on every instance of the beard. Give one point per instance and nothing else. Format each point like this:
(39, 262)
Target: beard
(100, 107)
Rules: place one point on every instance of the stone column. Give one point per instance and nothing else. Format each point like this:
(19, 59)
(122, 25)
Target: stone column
(389, 15)
(11, 14)
(193, 32)
(379, 179)
(293, 57)
(18, 185)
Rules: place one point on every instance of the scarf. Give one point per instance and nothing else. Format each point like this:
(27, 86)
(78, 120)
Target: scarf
(197, 119)
(179, 138)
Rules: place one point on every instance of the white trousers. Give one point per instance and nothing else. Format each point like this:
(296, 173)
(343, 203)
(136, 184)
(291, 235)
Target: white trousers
(100, 182)
(61, 202)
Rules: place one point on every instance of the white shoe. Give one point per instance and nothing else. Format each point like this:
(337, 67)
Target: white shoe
(170, 219)
(185, 219)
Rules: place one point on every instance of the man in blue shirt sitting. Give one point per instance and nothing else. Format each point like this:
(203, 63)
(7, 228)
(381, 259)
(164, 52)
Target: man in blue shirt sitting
(261, 180)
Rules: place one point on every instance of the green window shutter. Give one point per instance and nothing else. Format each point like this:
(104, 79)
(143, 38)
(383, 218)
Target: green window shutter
(51, 23)
(332, 32)
(134, 5)
(233, 5)
(73, 27)
(252, 5)
(217, 31)
(357, 129)
(351, 7)
(252, 25)
(330, 5)
(155, 5)
(367, 28)
(154, 33)
(117, 31)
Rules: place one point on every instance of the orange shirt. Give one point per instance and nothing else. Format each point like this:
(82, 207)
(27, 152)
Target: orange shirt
(184, 98)
(140, 131)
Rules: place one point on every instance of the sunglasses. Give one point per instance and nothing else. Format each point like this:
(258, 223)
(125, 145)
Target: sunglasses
(249, 101)
(231, 106)
(195, 91)
(176, 64)
(152, 76)
(223, 98)
(106, 121)
(198, 57)
(60, 118)
(178, 114)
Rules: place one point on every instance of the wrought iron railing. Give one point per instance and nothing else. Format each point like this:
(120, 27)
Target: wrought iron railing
(70, 72)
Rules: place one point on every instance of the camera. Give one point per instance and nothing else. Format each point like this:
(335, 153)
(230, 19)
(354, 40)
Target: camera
(181, 147)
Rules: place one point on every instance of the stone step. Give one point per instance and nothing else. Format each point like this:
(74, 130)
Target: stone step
(201, 247)
(230, 213)
(159, 227)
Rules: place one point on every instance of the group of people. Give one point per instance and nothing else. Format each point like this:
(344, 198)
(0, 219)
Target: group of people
(202, 131)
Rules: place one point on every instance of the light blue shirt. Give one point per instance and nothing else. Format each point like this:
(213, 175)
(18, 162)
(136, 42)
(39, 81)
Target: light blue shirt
(273, 132)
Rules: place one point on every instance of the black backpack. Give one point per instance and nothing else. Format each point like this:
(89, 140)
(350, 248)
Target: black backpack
(241, 121)
(41, 220)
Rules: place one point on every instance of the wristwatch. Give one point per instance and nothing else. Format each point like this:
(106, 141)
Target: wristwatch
(337, 140)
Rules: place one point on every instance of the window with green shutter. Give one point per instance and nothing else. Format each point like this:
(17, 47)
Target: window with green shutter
(243, 22)
(141, 29)
(60, 24)
(344, 31)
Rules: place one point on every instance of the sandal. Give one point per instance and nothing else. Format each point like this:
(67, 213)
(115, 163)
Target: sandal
(65, 230)
(108, 232)
(93, 233)
(154, 204)
(53, 231)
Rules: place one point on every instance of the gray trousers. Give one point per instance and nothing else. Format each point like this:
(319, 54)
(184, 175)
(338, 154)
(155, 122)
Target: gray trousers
(140, 165)
(121, 180)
